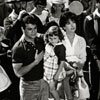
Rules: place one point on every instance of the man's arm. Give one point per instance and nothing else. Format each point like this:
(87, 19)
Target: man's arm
(21, 70)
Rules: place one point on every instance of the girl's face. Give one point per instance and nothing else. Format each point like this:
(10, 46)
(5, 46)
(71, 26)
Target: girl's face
(54, 40)
(70, 27)
(30, 31)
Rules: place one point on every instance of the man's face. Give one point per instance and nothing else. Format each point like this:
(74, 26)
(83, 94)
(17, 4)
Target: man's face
(18, 6)
(23, 5)
(30, 31)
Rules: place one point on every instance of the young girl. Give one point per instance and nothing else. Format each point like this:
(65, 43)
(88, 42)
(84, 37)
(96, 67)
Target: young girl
(54, 58)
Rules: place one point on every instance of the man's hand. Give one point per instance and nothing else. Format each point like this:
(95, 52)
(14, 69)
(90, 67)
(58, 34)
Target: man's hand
(22, 14)
(39, 57)
(99, 95)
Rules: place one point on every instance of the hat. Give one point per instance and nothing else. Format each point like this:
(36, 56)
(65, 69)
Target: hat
(41, 2)
(76, 7)
(13, 1)
(58, 1)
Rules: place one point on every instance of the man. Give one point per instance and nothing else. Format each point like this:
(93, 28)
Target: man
(11, 25)
(92, 34)
(4, 11)
(13, 32)
(27, 61)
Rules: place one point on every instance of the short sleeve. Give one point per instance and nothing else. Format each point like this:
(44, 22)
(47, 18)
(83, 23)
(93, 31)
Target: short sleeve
(60, 52)
(18, 54)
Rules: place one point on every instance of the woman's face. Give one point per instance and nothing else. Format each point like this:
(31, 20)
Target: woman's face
(70, 27)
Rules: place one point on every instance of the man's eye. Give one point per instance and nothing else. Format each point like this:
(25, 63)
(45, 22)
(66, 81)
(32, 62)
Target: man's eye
(29, 29)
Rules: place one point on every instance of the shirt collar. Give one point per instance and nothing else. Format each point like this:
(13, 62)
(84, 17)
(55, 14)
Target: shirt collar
(96, 14)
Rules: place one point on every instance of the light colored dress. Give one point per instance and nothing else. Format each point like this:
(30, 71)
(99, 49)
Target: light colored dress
(51, 65)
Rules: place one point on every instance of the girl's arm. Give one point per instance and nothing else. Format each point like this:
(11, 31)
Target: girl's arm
(60, 53)
(61, 66)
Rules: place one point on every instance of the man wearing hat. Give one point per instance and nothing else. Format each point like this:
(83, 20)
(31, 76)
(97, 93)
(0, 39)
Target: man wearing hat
(92, 34)
(57, 8)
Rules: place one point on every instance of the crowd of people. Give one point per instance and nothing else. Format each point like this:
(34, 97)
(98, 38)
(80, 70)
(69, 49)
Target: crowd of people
(48, 48)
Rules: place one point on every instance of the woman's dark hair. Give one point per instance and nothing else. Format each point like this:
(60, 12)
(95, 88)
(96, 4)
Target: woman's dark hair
(65, 17)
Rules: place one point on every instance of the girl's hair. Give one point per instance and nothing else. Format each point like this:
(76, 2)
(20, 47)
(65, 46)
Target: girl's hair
(65, 17)
(54, 31)
(49, 24)
(53, 8)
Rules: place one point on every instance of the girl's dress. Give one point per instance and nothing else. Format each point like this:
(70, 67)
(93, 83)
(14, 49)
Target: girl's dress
(53, 56)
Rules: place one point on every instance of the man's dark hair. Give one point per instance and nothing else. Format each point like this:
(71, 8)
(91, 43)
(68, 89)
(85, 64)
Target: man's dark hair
(29, 20)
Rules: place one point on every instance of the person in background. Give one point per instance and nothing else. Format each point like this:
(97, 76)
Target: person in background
(92, 36)
(57, 8)
(54, 59)
(75, 50)
(27, 61)
(41, 11)
(5, 91)
(4, 11)
(30, 5)
(13, 32)
(11, 25)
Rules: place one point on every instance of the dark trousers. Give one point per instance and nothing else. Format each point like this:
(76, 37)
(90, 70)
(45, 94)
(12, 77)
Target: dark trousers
(95, 75)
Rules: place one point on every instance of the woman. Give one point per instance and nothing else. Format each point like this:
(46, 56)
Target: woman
(75, 50)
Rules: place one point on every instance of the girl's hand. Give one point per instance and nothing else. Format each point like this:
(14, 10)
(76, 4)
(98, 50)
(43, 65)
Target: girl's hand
(75, 65)
(55, 78)
(72, 59)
